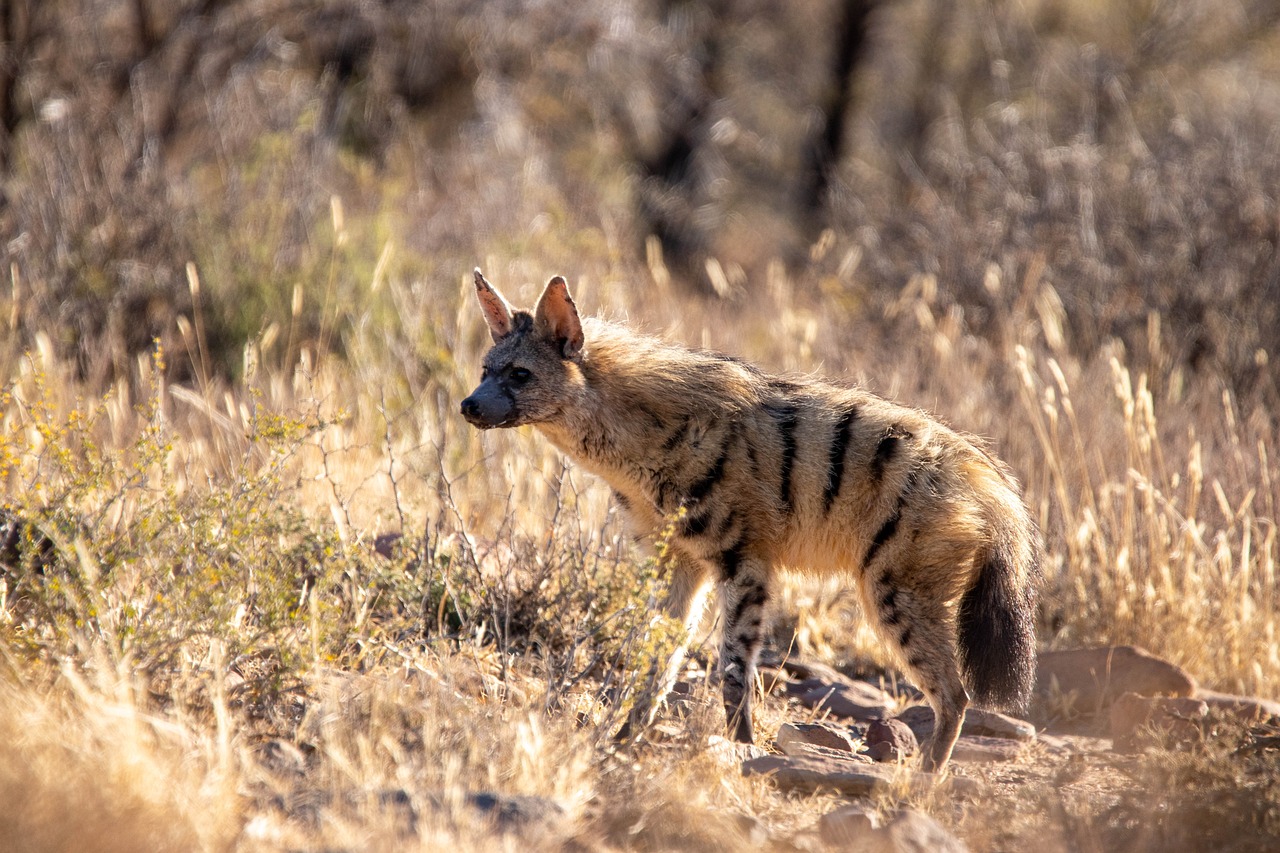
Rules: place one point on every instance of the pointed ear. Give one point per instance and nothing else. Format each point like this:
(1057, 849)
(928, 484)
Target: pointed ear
(558, 316)
(497, 313)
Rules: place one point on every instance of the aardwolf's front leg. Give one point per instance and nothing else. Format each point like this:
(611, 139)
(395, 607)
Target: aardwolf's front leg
(745, 594)
(684, 602)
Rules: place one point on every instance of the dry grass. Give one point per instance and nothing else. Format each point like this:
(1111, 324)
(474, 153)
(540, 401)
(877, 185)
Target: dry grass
(1073, 262)
(219, 639)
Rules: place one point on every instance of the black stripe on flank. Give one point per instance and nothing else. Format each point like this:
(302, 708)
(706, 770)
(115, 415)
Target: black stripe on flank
(677, 436)
(731, 560)
(725, 524)
(658, 422)
(702, 488)
(787, 417)
(890, 526)
(887, 449)
(883, 535)
(839, 446)
(904, 639)
(887, 600)
(696, 523)
(663, 487)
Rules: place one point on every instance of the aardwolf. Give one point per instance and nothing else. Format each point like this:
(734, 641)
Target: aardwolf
(755, 472)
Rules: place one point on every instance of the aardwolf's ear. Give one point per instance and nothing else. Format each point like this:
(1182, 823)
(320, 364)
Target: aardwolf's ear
(558, 316)
(497, 313)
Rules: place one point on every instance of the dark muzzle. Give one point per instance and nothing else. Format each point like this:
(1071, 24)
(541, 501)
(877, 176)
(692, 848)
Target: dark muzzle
(489, 406)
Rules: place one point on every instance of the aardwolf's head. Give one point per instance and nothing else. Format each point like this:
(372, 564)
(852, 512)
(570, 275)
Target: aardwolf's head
(529, 373)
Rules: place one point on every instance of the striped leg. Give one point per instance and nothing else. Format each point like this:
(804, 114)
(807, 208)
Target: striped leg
(685, 602)
(745, 591)
(918, 626)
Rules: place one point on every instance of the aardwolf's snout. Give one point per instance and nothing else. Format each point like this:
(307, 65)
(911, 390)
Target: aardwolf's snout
(488, 407)
(471, 411)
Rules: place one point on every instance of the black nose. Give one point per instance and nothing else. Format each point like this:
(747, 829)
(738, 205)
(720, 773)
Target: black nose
(470, 408)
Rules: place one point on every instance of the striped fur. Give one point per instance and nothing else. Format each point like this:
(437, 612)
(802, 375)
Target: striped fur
(766, 473)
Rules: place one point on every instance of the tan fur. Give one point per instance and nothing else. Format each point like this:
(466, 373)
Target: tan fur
(764, 472)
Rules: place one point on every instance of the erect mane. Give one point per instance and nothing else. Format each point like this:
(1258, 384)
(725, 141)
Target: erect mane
(669, 376)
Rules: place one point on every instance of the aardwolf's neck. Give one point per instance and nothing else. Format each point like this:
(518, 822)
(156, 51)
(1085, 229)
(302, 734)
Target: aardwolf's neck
(637, 392)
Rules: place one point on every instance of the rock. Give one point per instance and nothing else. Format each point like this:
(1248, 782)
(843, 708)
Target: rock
(890, 740)
(811, 773)
(516, 812)
(810, 670)
(801, 749)
(730, 752)
(976, 749)
(1248, 709)
(855, 828)
(805, 842)
(844, 775)
(854, 700)
(829, 735)
(1092, 679)
(977, 722)
(385, 544)
(753, 830)
(1140, 721)
(913, 831)
(848, 826)
(1057, 745)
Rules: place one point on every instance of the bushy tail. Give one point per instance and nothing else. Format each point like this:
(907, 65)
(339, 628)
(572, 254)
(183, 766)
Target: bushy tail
(997, 631)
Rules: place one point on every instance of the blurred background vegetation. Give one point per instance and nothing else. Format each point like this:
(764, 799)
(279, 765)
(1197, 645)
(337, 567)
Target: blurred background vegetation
(284, 154)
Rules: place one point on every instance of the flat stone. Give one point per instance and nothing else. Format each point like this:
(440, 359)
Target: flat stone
(855, 700)
(1248, 709)
(516, 811)
(1091, 679)
(1057, 745)
(811, 670)
(849, 826)
(845, 775)
(524, 814)
(913, 831)
(829, 735)
(856, 828)
(753, 829)
(975, 749)
(890, 741)
(801, 749)
(811, 773)
(977, 722)
(1141, 721)
(730, 752)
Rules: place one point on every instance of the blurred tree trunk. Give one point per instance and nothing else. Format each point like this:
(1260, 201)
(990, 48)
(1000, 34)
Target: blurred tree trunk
(827, 143)
(672, 200)
(926, 105)
(15, 43)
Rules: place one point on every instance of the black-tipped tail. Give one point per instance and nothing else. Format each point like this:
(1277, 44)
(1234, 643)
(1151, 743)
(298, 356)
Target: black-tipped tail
(997, 634)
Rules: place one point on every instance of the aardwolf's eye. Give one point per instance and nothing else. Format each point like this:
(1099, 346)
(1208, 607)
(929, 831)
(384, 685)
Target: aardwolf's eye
(520, 376)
